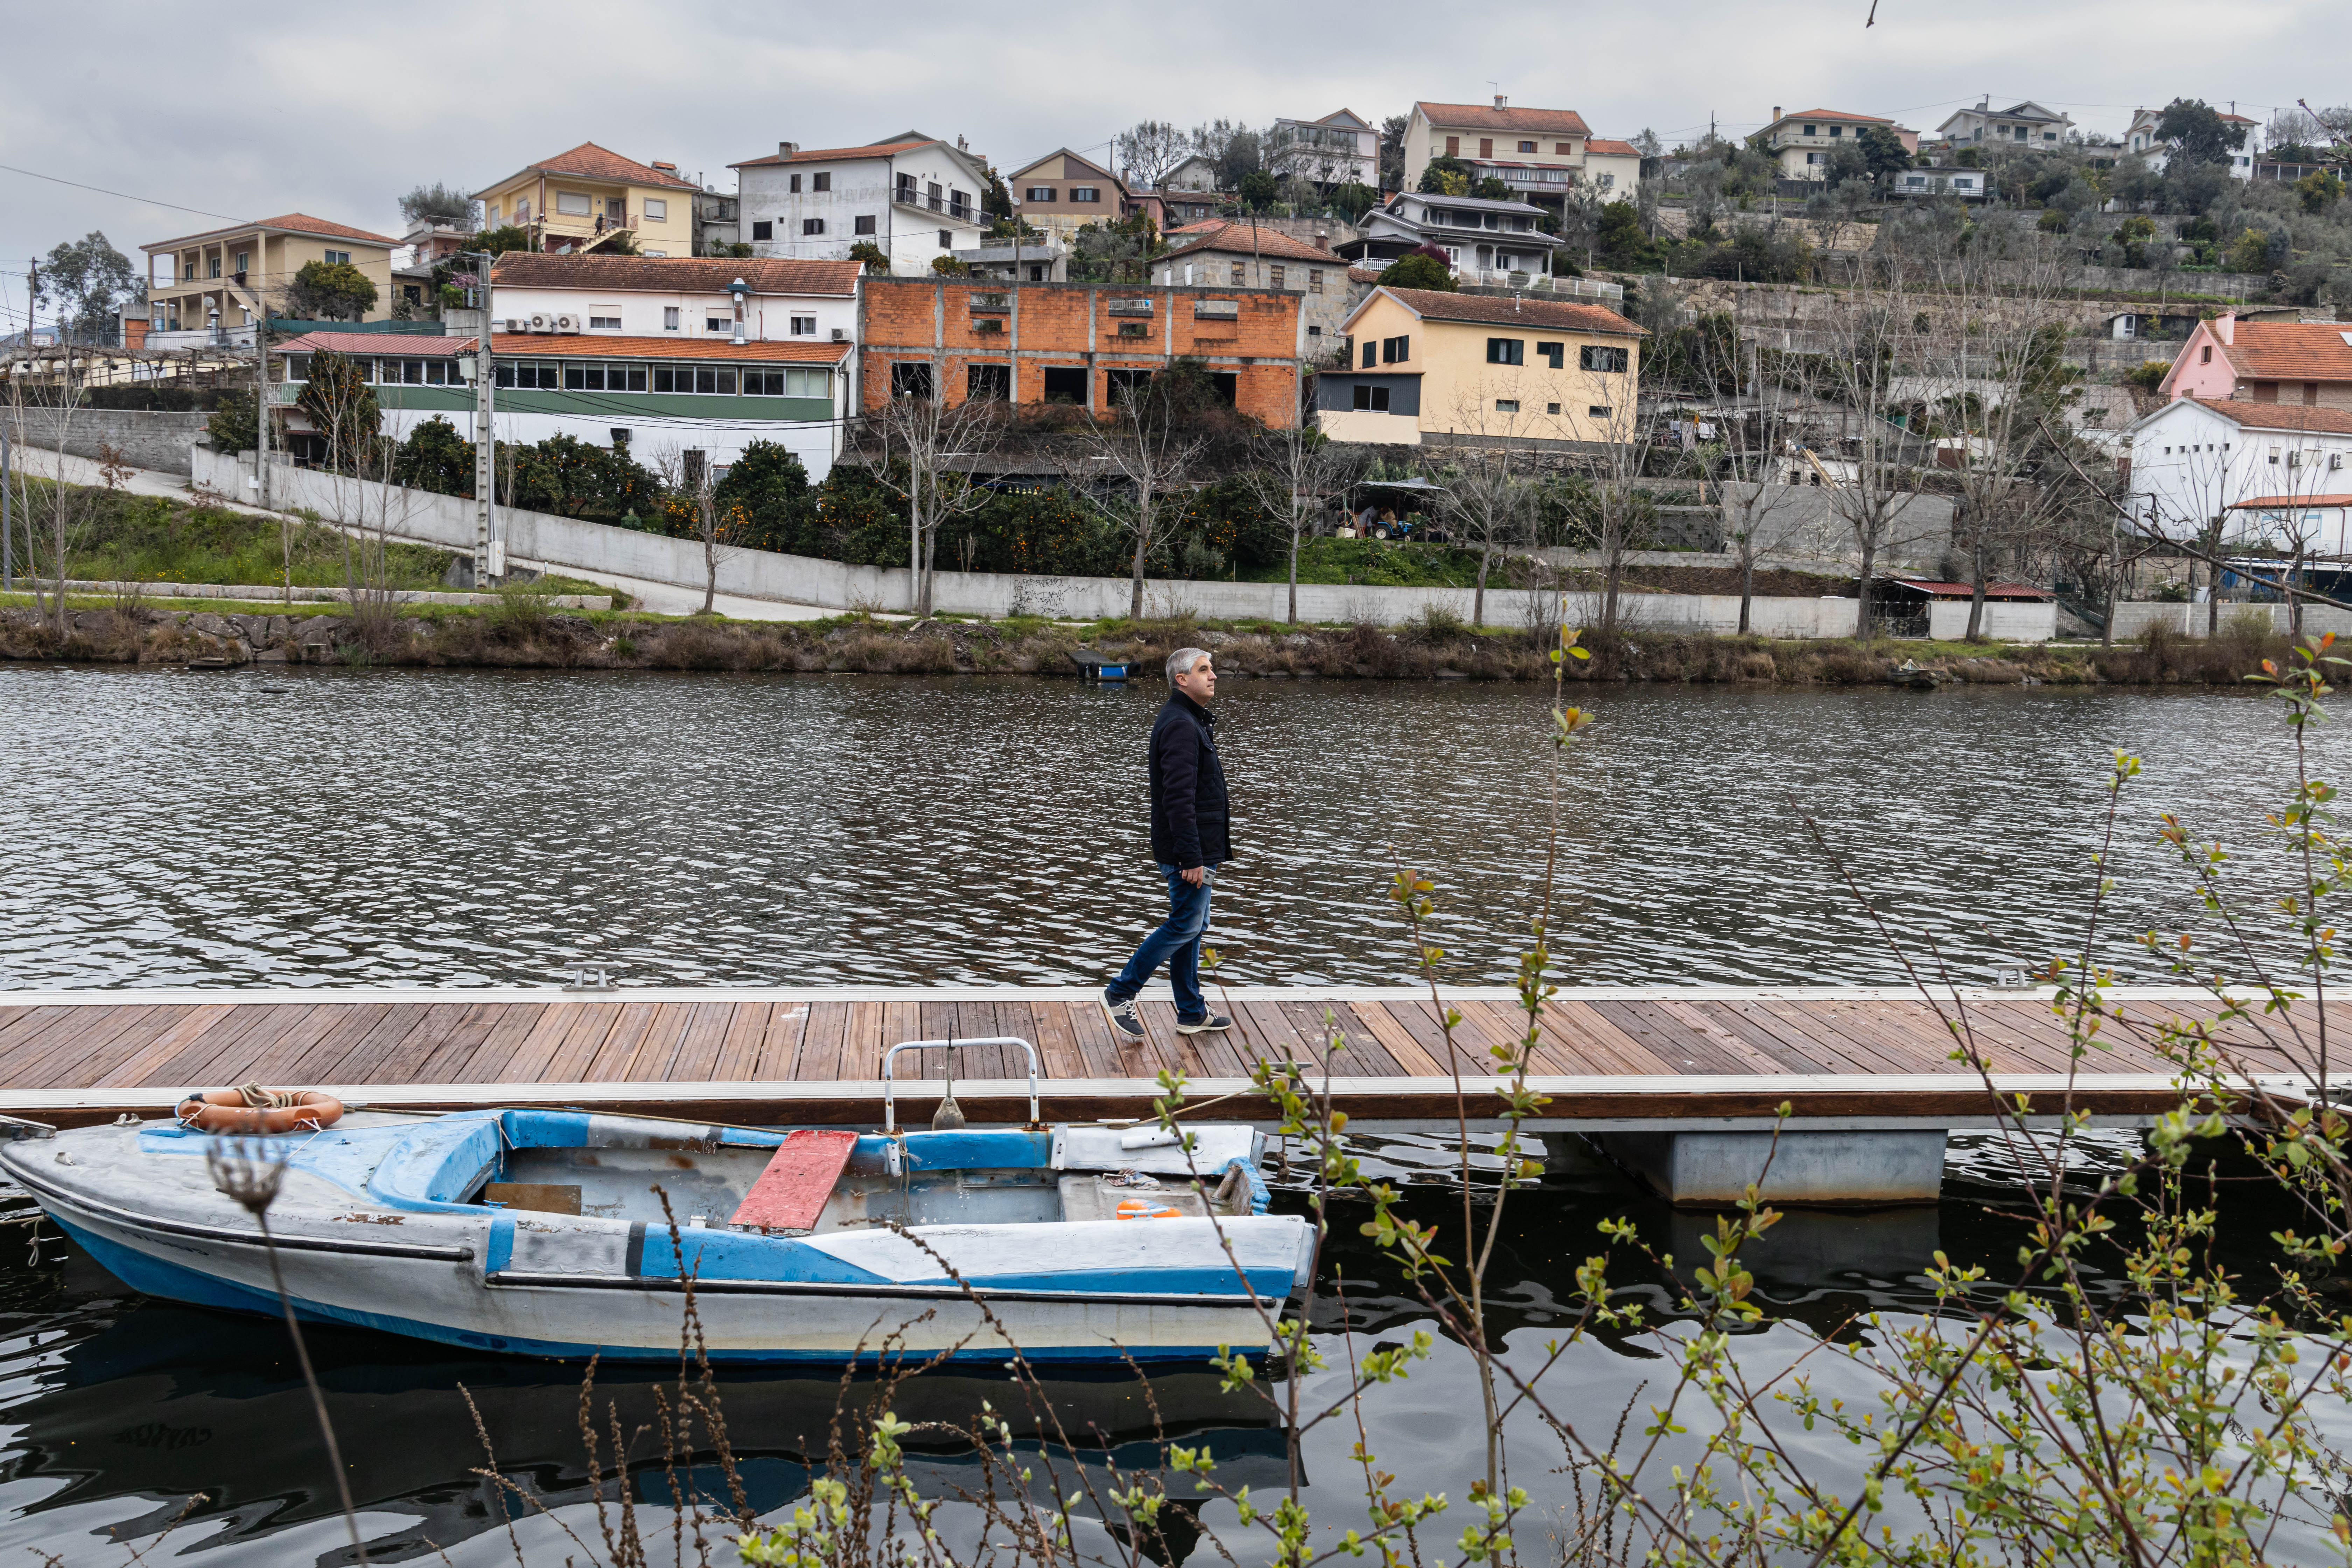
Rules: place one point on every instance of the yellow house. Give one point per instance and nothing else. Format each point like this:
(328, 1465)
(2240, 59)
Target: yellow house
(212, 287)
(588, 198)
(1424, 365)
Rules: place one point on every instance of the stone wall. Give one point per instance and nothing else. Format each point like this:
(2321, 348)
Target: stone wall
(158, 441)
(536, 540)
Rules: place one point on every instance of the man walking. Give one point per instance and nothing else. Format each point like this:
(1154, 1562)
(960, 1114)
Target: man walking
(1189, 840)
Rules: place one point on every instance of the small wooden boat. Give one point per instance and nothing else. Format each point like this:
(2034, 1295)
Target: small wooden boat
(545, 1233)
(1912, 677)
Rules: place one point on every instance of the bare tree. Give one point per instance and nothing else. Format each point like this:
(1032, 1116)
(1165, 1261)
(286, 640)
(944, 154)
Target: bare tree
(68, 506)
(1760, 514)
(1489, 498)
(1294, 469)
(940, 442)
(1149, 444)
(1148, 150)
(1869, 330)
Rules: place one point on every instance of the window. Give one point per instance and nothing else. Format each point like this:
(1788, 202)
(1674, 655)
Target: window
(1486, 146)
(1240, 275)
(803, 326)
(1038, 193)
(1527, 146)
(821, 182)
(1505, 351)
(1608, 360)
(817, 383)
(1813, 130)
(1453, 146)
(412, 292)
(796, 184)
(717, 323)
(334, 258)
(1314, 283)
(911, 378)
(2205, 356)
(1066, 383)
(243, 262)
(764, 228)
(1812, 159)
(989, 382)
(620, 433)
(571, 203)
(906, 188)
(1371, 355)
(1964, 182)
(1373, 399)
(1396, 351)
(1554, 354)
(604, 323)
(1507, 405)
(812, 225)
(1837, 131)
(947, 240)
(1551, 408)
(1600, 411)
(1564, 149)
(863, 223)
(1133, 328)
(1086, 193)
(670, 318)
(656, 210)
(1276, 275)
(522, 209)
(298, 366)
(624, 378)
(1608, 182)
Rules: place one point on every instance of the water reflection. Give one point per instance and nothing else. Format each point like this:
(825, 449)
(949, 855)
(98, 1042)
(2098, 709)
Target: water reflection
(460, 827)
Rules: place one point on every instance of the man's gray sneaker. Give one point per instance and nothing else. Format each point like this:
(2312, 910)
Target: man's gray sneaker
(1124, 1021)
(1215, 1023)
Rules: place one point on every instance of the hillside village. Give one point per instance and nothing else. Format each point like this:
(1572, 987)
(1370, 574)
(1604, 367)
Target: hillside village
(2009, 360)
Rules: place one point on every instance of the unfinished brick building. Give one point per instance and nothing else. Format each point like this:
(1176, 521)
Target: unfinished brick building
(1073, 343)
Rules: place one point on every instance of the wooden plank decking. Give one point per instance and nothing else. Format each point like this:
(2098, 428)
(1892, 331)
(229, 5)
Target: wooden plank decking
(813, 1054)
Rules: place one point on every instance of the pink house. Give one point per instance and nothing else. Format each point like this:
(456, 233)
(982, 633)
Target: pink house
(2309, 363)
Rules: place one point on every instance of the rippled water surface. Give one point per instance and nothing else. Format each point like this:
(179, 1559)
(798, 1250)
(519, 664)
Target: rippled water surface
(321, 827)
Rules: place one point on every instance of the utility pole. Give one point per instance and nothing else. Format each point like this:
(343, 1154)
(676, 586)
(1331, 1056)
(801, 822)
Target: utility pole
(485, 449)
(7, 520)
(261, 416)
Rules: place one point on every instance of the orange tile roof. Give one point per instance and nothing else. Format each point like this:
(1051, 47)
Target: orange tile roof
(2280, 416)
(591, 162)
(1364, 274)
(2291, 351)
(831, 154)
(1551, 121)
(601, 345)
(289, 223)
(678, 274)
(1850, 119)
(1230, 239)
(2283, 502)
(1493, 310)
(1613, 149)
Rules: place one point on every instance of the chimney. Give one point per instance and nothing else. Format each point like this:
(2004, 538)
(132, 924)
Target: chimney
(1501, 102)
(1322, 240)
(788, 149)
(2225, 327)
(1776, 114)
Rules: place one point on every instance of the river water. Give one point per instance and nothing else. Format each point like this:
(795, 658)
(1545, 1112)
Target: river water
(334, 827)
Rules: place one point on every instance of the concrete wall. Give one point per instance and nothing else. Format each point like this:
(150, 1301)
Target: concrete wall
(158, 441)
(1947, 620)
(593, 548)
(1803, 522)
(2133, 619)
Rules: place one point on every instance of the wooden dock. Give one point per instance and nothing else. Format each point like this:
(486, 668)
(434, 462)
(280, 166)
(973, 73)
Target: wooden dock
(1610, 1058)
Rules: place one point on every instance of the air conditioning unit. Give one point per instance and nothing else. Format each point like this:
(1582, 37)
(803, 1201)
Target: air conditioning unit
(517, 323)
(567, 323)
(542, 322)
(840, 335)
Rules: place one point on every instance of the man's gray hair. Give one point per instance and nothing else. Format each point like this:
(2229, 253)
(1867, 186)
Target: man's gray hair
(1181, 661)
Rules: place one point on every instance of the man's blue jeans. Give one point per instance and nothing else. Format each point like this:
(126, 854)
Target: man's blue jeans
(1177, 944)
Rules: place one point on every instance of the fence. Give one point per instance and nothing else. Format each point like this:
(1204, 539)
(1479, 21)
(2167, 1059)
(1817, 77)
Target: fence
(596, 550)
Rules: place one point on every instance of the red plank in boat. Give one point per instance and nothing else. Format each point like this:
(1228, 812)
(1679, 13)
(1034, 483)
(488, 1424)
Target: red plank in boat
(791, 1193)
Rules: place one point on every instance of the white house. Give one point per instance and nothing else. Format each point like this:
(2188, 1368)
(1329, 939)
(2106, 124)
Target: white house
(2140, 137)
(2196, 458)
(1339, 148)
(913, 195)
(2026, 124)
(1484, 241)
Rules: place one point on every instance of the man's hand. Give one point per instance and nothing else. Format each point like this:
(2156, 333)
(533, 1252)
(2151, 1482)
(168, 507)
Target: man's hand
(1193, 874)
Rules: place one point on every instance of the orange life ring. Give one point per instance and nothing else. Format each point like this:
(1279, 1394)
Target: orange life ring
(1146, 1208)
(258, 1111)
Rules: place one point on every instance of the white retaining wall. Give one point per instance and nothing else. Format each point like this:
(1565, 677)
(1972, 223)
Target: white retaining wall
(2134, 616)
(1947, 620)
(591, 549)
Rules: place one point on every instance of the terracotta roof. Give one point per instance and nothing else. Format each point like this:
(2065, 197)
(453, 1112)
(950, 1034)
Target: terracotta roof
(294, 223)
(1364, 274)
(1236, 239)
(831, 154)
(1435, 305)
(602, 346)
(2292, 350)
(1613, 149)
(391, 345)
(2283, 502)
(2281, 415)
(1551, 121)
(1850, 119)
(681, 274)
(591, 162)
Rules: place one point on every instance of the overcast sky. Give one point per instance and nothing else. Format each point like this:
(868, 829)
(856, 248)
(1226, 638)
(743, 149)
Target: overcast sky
(270, 108)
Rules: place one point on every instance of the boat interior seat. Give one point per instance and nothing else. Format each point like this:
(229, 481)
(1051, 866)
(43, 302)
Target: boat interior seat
(1086, 1197)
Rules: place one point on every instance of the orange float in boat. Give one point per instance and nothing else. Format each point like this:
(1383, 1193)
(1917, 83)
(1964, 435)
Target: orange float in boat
(255, 1110)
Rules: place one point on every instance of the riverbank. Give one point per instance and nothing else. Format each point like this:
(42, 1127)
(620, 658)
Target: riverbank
(526, 631)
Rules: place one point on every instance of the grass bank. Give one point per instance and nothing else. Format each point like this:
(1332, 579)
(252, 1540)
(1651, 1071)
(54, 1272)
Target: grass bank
(523, 632)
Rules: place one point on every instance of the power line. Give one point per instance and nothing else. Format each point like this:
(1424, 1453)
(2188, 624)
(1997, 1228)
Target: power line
(126, 195)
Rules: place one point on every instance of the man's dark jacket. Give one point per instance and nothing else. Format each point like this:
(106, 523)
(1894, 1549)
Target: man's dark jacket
(1189, 806)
